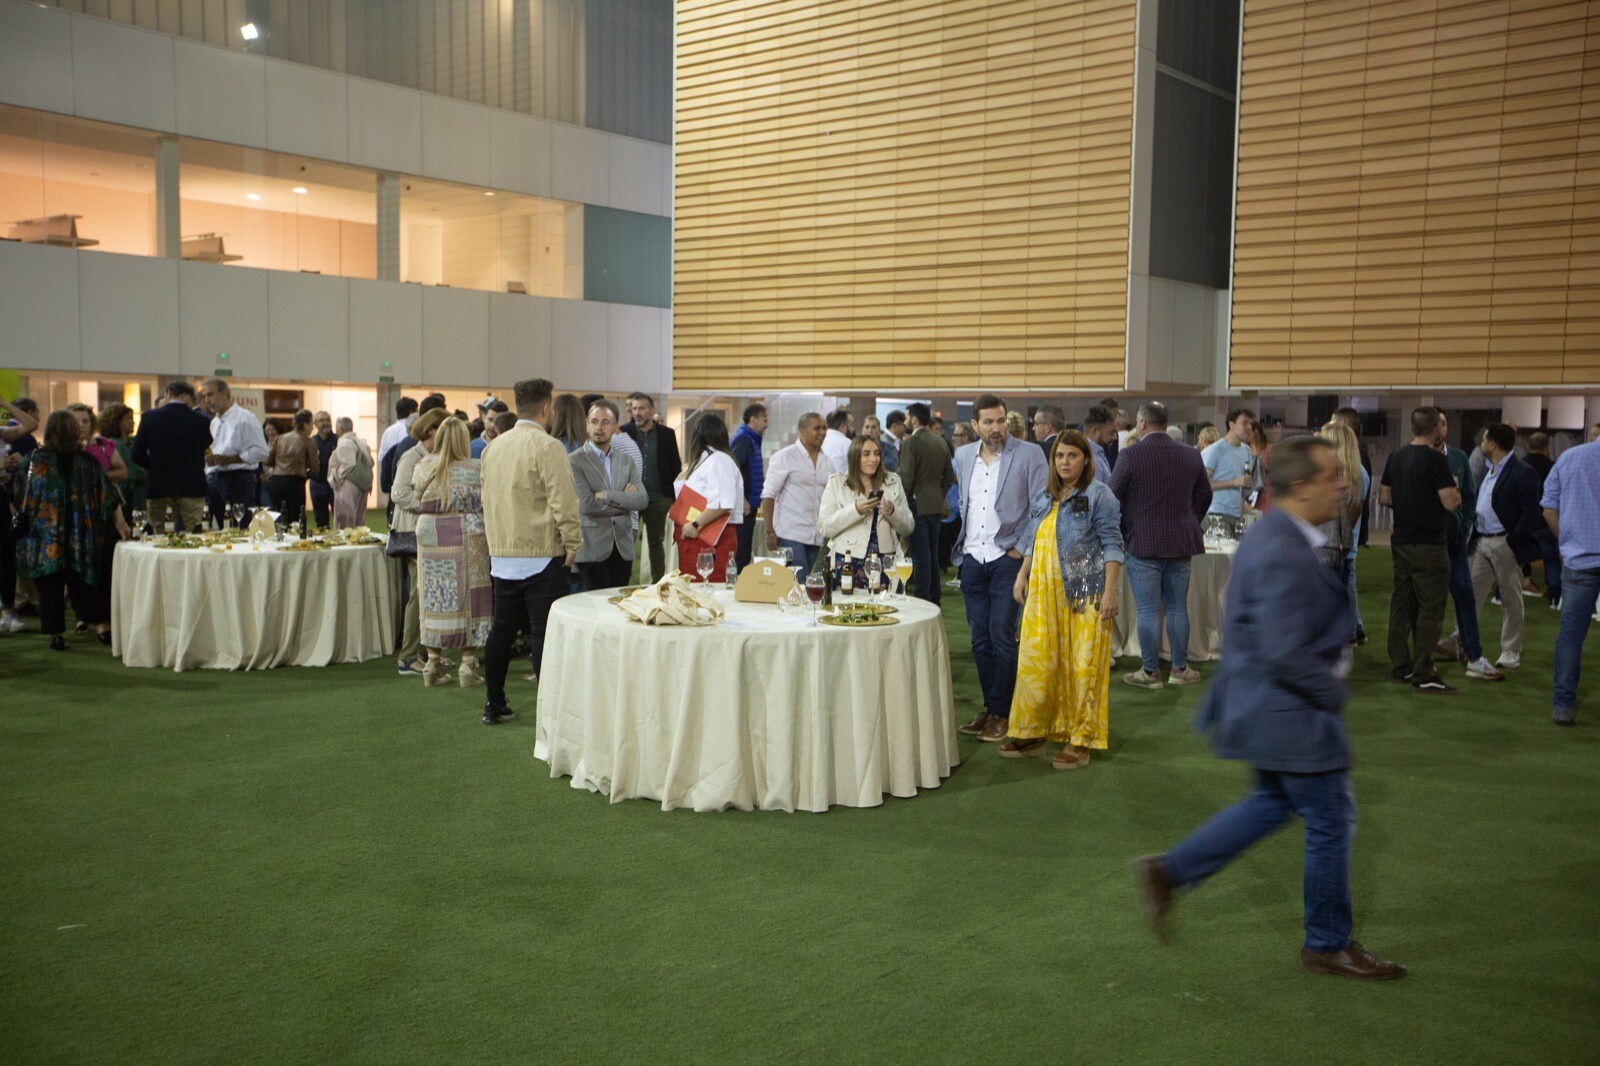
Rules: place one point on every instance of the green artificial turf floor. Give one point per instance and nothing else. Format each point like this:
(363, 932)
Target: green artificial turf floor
(342, 866)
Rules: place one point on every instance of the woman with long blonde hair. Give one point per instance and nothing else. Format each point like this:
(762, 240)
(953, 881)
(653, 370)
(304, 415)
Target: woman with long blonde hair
(456, 595)
(1344, 532)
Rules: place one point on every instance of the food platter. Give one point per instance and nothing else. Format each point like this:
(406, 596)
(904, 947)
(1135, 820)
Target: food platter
(859, 616)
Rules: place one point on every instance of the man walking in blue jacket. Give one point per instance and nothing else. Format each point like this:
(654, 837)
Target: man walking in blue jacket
(1279, 709)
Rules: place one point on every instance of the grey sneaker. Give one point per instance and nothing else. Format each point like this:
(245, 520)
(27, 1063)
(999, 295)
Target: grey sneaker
(1187, 676)
(1562, 716)
(1141, 679)
(410, 668)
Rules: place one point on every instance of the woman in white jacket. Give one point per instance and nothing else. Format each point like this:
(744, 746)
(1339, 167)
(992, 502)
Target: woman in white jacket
(864, 510)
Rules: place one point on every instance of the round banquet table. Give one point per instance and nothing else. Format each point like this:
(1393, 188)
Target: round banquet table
(193, 608)
(758, 711)
(1208, 579)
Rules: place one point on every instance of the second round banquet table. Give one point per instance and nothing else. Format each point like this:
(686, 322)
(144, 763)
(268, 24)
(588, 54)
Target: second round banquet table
(249, 609)
(759, 711)
(1208, 580)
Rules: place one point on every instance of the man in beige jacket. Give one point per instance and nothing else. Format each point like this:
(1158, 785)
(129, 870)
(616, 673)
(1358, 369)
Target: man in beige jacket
(530, 515)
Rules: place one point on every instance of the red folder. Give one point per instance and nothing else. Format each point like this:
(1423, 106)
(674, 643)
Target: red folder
(689, 506)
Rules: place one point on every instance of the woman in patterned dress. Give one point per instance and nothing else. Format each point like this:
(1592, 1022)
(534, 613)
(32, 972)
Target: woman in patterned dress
(1068, 588)
(456, 596)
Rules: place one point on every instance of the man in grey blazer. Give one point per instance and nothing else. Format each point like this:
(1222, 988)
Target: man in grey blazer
(610, 492)
(999, 476)
(1277, 704)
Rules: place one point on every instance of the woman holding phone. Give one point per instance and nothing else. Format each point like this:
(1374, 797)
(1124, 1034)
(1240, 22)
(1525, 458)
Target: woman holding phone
(864, 511)
(1068, 587)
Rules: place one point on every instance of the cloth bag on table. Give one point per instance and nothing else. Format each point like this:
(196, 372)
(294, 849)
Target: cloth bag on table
(672, 601)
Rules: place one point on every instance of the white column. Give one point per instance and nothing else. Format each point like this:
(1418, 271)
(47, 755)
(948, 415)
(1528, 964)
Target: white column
(169, 233)
(388, 222)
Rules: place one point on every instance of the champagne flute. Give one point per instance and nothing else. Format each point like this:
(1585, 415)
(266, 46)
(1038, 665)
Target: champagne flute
(902, 570)
(706, 563)
(814, 590)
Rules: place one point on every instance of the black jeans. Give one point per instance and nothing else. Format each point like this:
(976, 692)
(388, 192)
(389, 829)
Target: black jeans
(520, 607)
(609, 573)
(321, 503)
(653, 524)
(289, 497)
(746, 549)
(53, 590)
(234, 486)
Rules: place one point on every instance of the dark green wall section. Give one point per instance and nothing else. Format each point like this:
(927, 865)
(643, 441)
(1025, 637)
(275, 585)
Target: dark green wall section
(627, 257)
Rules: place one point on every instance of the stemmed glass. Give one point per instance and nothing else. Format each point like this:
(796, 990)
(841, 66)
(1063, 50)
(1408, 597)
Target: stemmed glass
(139, 519)
(874, 569)
(785, 555)
(815, 587)
(706, 563)
(238, 514)
(902, 570)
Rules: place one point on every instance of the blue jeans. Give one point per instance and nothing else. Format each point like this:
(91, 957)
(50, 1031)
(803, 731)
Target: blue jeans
(1550, 550)
(992, 616)
(1579, 590)
(1350, 585)
(1161, 584)
(925, 562)
(1466, 601)
(802, 554)
(1327, 805)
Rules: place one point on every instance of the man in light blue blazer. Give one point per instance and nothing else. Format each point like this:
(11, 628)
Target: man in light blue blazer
(999, 477)
(1276, 703)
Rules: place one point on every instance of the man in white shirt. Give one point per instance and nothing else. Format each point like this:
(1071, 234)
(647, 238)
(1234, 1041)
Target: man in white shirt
(610, 493)
(791, 494)
(238, 447)
(836, 444)
(405, 413)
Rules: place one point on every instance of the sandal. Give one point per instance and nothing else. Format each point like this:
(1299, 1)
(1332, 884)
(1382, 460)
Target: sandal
(1069, 758)
(1022, 748)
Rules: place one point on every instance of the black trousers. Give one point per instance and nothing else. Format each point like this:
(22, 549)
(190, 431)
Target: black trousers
(234, 486)
(53, 591)
(520, 607)
(288, 497)
(321, 503)
(609, 573)
(746, 549)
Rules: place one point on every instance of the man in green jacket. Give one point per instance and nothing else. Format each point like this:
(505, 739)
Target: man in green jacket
(927, 474)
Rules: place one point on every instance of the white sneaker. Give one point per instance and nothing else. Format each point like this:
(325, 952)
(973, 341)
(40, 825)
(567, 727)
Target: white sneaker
(1509, 662)
(10, 623)
(1482, 669)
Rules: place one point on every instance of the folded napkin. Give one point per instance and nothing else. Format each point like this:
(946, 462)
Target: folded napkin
(672, 601)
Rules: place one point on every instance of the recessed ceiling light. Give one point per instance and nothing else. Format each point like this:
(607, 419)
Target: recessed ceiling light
(488, 194)
(249, 32)
(252, 196)
(301, 189)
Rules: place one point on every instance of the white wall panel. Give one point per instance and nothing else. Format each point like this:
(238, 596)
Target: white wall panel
(36, 57)
(222, 309)
(128, 313)
(455, 336)
(123, 75)
(385, 326)
(666, 350)
(307, 111)
(221, 95)
(519, 339)
(385, 127)
(579, 161)
(455, 140)
(634, 342)
(519, 153)
(580, 357)
(39, 307)
(308, 326)
(635, 168)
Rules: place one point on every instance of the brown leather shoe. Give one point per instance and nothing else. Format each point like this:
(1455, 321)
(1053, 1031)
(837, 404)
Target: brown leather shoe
(1155, 893)
(1354, 961)
(974, 728)
(995, 730)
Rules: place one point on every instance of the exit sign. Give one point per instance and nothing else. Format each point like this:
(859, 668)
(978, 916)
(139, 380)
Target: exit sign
(386, 379)
(224, 372)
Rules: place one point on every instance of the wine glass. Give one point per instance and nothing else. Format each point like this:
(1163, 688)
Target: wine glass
(238, 514)
(706, 563)
(902, 570)
(139, 518)
(785, 555)
(874, 569)
(815, 587)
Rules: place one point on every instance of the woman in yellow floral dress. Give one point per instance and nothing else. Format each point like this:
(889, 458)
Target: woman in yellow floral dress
(1068, 588)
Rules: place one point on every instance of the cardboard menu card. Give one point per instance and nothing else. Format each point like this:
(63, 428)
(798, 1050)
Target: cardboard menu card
(763, 581)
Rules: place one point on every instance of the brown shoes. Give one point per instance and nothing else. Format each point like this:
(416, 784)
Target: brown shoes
(1155, 893)
(1354, 961)
(995, 730)
(1070, 758)
(1021, 748)
(974, 728)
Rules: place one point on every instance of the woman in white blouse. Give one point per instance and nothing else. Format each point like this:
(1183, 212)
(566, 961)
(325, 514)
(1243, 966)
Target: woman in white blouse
(864, 510)
(715, 476)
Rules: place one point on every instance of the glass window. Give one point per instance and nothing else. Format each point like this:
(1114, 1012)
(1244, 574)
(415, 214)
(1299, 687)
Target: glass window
(280, 212)
(73, 183)
(472, 238)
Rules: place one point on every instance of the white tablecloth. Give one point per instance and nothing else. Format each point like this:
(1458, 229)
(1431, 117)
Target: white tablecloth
(243, 609)
(760, 711)
(1208, 578)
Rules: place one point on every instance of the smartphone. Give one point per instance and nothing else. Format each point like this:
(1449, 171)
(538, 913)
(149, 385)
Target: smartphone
(875, 494)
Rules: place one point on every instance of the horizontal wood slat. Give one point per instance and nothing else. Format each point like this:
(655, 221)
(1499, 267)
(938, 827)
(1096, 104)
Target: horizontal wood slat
(1418, 195)
(876, 194)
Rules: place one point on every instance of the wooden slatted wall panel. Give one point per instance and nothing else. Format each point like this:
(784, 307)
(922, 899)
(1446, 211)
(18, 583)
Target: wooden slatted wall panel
(877, 193)
(1418, 194)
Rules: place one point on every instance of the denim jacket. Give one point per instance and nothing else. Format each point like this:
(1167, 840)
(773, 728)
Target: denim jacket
(1085, 540)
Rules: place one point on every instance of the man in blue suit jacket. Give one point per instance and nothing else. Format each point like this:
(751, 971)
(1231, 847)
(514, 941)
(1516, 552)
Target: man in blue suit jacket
(1275, 703)
(171, 444)
(999, 477)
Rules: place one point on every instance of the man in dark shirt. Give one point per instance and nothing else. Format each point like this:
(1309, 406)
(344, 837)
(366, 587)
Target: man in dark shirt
(325, 440)
(1417, 484)
(658, 447)
(1538, 457)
